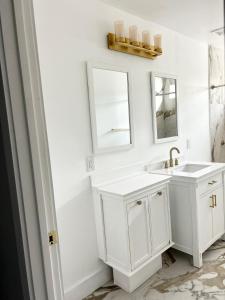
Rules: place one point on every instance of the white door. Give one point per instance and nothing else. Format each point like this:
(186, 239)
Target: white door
(159, 220)
(218, 213)
(205, 207)
(138, 231)
(25, 112)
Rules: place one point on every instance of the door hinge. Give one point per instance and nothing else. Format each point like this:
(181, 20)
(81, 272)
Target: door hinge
(53, 237)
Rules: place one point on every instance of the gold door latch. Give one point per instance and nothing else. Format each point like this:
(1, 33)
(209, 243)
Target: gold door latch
(53, 237)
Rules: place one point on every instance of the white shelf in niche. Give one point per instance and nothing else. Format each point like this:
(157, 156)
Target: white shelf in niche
(111, 102)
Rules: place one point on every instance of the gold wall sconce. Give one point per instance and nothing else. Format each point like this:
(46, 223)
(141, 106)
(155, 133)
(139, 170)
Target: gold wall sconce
(132, 45)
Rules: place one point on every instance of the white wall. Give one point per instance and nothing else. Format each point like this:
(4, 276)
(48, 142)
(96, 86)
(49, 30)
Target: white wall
(69, 33)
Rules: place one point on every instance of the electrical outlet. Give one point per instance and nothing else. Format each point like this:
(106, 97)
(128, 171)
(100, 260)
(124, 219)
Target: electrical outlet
(90, 163)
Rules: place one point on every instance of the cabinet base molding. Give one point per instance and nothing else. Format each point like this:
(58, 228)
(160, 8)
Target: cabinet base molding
(216, 238)
(130, 281)
(183, 249)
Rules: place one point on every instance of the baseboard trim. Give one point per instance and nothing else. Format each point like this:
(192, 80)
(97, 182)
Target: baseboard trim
(87, 285)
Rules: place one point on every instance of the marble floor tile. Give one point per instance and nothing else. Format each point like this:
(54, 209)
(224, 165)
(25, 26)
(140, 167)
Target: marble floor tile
(178, 279)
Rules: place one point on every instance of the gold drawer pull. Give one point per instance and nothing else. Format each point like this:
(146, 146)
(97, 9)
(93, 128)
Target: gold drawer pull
(212, 201)
(139, 202)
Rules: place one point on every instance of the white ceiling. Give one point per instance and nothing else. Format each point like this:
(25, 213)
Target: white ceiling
(194, 18)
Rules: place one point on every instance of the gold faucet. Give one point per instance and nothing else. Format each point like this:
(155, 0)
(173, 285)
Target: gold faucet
(171, 156)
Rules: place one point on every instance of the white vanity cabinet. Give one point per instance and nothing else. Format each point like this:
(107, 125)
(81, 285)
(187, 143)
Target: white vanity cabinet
(197, 212)
(133, 227)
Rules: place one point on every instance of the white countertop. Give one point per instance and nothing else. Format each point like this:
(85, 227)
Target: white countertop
(211, 168)
(129, 185)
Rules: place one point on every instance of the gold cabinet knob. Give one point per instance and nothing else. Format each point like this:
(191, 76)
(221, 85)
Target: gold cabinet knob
(139, 202)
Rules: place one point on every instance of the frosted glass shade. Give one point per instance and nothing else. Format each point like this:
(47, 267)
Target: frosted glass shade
(133, 34)
(146, 38)
(158, 41)
(119, 30)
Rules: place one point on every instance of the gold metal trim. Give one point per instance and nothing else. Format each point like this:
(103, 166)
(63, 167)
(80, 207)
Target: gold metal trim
(130, 48)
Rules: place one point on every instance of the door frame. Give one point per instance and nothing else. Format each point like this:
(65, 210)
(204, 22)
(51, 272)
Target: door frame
(12, 285)
(25, 112)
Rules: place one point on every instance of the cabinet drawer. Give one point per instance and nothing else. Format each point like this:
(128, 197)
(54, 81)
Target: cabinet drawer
(210, 183)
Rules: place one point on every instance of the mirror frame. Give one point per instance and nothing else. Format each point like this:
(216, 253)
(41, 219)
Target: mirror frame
(96, 149)
(154, 121)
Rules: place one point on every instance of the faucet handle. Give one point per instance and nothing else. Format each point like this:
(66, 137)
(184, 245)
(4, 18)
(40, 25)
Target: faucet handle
(166, 164)
(176, 162)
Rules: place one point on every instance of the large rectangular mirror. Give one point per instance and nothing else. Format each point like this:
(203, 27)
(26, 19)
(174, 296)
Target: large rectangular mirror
(110, 108)
(164, 107)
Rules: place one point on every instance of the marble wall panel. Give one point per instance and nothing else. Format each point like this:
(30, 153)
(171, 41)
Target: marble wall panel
(217, 104)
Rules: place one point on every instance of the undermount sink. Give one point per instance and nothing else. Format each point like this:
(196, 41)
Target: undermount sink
(190, 168)
(194, 170)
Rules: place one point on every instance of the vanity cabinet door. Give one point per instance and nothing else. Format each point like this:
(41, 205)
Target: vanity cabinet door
(138, 226)
(211, 217)
(218, 213)
(159, 220)
(205, 221)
